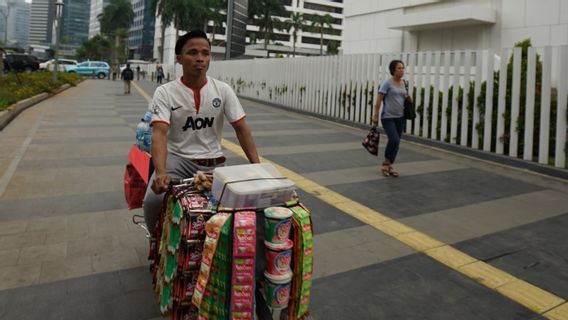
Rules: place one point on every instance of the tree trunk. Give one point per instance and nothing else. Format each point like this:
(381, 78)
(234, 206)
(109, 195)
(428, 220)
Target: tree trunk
(321, 42)
(163, 40)
(295, 37)
(116, 44)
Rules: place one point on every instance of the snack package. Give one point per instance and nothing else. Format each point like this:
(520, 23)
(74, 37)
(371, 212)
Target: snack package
(215, 302)
(303, 263)
(244, 250)
(213, 231)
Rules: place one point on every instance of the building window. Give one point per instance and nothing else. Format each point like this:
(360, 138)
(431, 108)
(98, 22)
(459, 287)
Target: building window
(321, 7)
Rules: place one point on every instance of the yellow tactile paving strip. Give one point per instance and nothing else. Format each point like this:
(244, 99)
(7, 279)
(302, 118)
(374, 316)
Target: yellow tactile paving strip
(520, 291)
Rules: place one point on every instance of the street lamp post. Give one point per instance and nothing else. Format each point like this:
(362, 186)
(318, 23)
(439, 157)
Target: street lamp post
(57, 21)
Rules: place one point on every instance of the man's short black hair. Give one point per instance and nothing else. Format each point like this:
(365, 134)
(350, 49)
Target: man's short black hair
(392, 66)
(190, 35)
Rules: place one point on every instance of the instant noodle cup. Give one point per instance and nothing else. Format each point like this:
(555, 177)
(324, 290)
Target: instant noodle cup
(278, 257)
(277, 290)
(278, 223)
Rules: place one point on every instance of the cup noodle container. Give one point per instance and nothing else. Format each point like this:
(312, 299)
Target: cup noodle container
(278, 290)
(277, 221)
(278, 258)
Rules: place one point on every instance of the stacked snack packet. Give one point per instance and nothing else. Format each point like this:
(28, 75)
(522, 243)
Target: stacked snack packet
(179, 251)
(211, 291)
(303, 262)
(244, 249)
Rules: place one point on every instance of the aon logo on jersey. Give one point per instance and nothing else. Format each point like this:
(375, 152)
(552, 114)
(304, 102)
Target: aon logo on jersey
(198, 123)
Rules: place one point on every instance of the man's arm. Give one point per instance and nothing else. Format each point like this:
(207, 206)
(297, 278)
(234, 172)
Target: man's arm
(159, 155)
(246, 141)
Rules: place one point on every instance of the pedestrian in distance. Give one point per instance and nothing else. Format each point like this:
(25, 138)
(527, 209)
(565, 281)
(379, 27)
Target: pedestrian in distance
(187, 121)
(392, 94)
(127, 75)
(137, 73)
(159, 74)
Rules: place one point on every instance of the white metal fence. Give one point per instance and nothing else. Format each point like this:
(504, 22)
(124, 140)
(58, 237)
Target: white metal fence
(521, 113)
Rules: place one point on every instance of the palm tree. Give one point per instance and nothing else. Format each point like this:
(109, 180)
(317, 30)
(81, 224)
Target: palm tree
(265, 10)
(115, 19)
(319, 22)
(296, 22)
(164, 9)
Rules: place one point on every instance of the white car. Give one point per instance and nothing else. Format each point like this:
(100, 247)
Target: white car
(49, 65)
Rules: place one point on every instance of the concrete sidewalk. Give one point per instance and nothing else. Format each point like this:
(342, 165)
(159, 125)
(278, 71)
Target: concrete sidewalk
(69, 250)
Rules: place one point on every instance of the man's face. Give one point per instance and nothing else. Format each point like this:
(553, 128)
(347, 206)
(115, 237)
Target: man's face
(195, 56)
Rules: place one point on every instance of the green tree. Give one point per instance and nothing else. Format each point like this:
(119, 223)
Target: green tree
(165, 10)
(263, 13)
(296, 23)
(332, 47)
(96, 48)
(115, 19)
(319, 23)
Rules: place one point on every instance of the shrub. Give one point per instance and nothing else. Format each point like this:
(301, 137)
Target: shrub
(21, 86)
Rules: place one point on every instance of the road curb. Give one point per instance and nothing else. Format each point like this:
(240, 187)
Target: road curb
(12, 111)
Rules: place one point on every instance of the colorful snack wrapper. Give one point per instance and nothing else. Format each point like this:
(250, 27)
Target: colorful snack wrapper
(244, 250)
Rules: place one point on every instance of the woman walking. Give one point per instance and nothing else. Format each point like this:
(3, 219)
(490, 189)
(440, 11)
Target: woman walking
(392, 94)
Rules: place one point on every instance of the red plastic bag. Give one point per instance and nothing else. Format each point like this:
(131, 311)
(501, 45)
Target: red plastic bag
(134, 187)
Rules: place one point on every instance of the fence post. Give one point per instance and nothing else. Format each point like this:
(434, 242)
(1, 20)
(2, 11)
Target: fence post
(476, 92)
(543, 149)
(436, 100)
(515, 102)
(529, 104)
(465, 101)
(560, 152)
(499, 145)
(428, 76)
(455, 91)
(488, 101)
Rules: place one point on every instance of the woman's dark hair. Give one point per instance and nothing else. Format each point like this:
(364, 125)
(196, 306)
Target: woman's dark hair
(392, 66)
(190, 35)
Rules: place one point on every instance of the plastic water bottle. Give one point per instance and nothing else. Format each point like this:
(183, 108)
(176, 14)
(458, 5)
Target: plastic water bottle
(148, 117)
(148, 139)
(141, 130)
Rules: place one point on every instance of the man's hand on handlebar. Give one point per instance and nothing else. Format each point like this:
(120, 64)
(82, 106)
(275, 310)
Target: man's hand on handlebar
(161, 183)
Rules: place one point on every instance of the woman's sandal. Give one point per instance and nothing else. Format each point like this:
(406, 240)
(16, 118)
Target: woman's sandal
(386, 170)
(392, 172)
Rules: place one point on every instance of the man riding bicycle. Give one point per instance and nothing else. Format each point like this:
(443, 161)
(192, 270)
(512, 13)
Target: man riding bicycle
(188, 116)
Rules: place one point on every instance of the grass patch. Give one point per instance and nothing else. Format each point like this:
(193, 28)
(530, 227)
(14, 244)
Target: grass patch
(30, 84)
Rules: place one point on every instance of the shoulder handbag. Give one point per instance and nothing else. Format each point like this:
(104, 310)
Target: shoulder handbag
(409, 108)
(371, 141)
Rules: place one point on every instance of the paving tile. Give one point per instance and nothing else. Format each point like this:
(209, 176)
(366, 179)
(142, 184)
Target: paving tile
(91, 246)
(432, 192)
(284, 141)
(71, 181)
(411, 287)
(19, 275)
(61, 205)
(325, 217)
(13, 227)
(534, 252)
(115, 260)
(331, 160)
(9, 257)
(38, 254)
(99, 296)
(65, 268)
(73, 162)
(22, 240)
